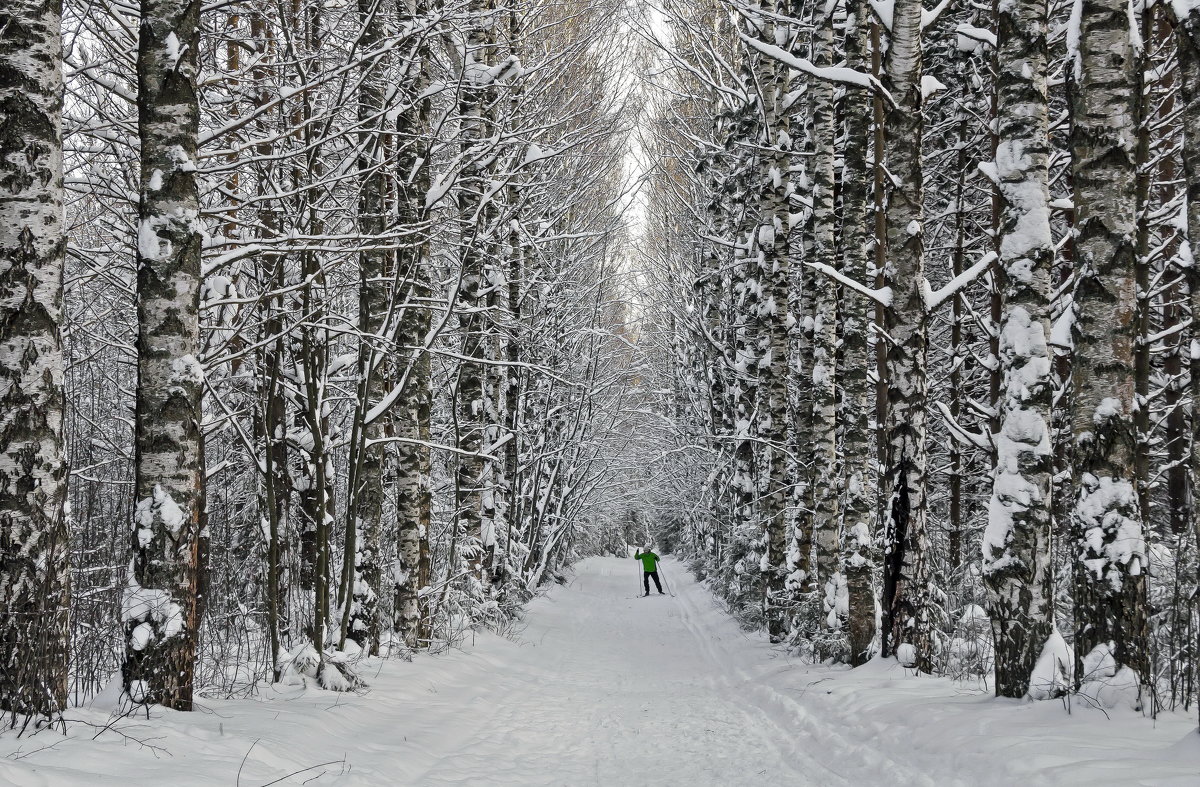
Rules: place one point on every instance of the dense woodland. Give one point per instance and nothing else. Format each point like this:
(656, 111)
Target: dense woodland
(339, 329)
(933, 361)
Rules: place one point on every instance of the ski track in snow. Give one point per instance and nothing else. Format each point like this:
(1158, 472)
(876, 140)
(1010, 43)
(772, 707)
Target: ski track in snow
(599, 687)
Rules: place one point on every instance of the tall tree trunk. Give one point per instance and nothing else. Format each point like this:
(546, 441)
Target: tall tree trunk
(375, 325)
(1187, 32)
(275, 490)
(476, 108)
(316, 499)
(310, 356)
(1110, 571)
(769, 274)
(413, 494)
(858, 395)
(906, 626)
(514, 273)
(1017, 567)
(34, 579)
(160, 605)
(878, 344)
(823, 373)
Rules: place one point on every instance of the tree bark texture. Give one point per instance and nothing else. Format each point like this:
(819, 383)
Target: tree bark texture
(159, 609)
(1110, 569)
(1017, 566)
(34, 580)
(906, 627)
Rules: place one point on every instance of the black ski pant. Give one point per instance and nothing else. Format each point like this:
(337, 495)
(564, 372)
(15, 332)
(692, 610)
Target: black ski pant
(646, 577)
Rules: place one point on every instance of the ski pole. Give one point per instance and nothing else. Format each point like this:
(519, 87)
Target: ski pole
(638, 571)
(663, 577)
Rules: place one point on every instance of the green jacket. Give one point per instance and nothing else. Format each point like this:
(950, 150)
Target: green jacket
(649, 560)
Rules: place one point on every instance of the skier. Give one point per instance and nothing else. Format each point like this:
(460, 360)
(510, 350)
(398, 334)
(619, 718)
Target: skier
(650, 567)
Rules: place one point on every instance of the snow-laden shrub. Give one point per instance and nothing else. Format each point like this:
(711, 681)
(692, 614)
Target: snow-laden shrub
(1106, 684)
(1053, 672)
(968, 651)
(332, 671)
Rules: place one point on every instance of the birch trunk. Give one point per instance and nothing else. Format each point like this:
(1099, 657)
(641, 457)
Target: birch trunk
(476, 108)
(34, 580)
(858, 391)
(1187, 33)
(906, 627)
(1017, 567)
(826, 460)
(159, 609)
(770, 276)
(310, 360)
(511, 376)
(1110, 571)
(413, 494)
(376, 280)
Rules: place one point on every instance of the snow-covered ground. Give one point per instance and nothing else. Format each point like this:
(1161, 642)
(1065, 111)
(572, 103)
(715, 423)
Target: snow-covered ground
(600, 687)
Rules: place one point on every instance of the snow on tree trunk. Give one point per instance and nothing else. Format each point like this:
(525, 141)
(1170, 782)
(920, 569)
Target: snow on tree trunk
(1187, 31)
(270, 415)
(804, 284)
(710, 332)
(159, 609)
(769, 280)
(743, 560)
(1017, 567)
(858, 391)
(474, 501)
(413, 410)
(33, 471)
(376, 326)
(413, 493)
(1110, 570)
(906, 627)
(309, 370)
(509, 504)
(823, 448)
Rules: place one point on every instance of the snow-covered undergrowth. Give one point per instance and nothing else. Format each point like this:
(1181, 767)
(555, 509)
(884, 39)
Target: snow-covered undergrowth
(604, 688)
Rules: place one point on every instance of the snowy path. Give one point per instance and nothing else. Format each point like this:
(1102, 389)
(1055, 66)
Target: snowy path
(603, 688)
(614, 689)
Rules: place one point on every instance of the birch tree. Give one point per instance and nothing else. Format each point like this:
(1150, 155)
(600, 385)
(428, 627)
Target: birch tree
(33, 472)
(475, 498)
(769, 279)
(413, 411)
(858, 393)
(1110, 567)
(160, 605)
(1016, 547)
(905, 631)
(825, 455)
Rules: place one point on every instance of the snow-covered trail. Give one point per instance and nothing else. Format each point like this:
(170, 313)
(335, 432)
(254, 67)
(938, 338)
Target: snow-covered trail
(600, 687)
(609, 688)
